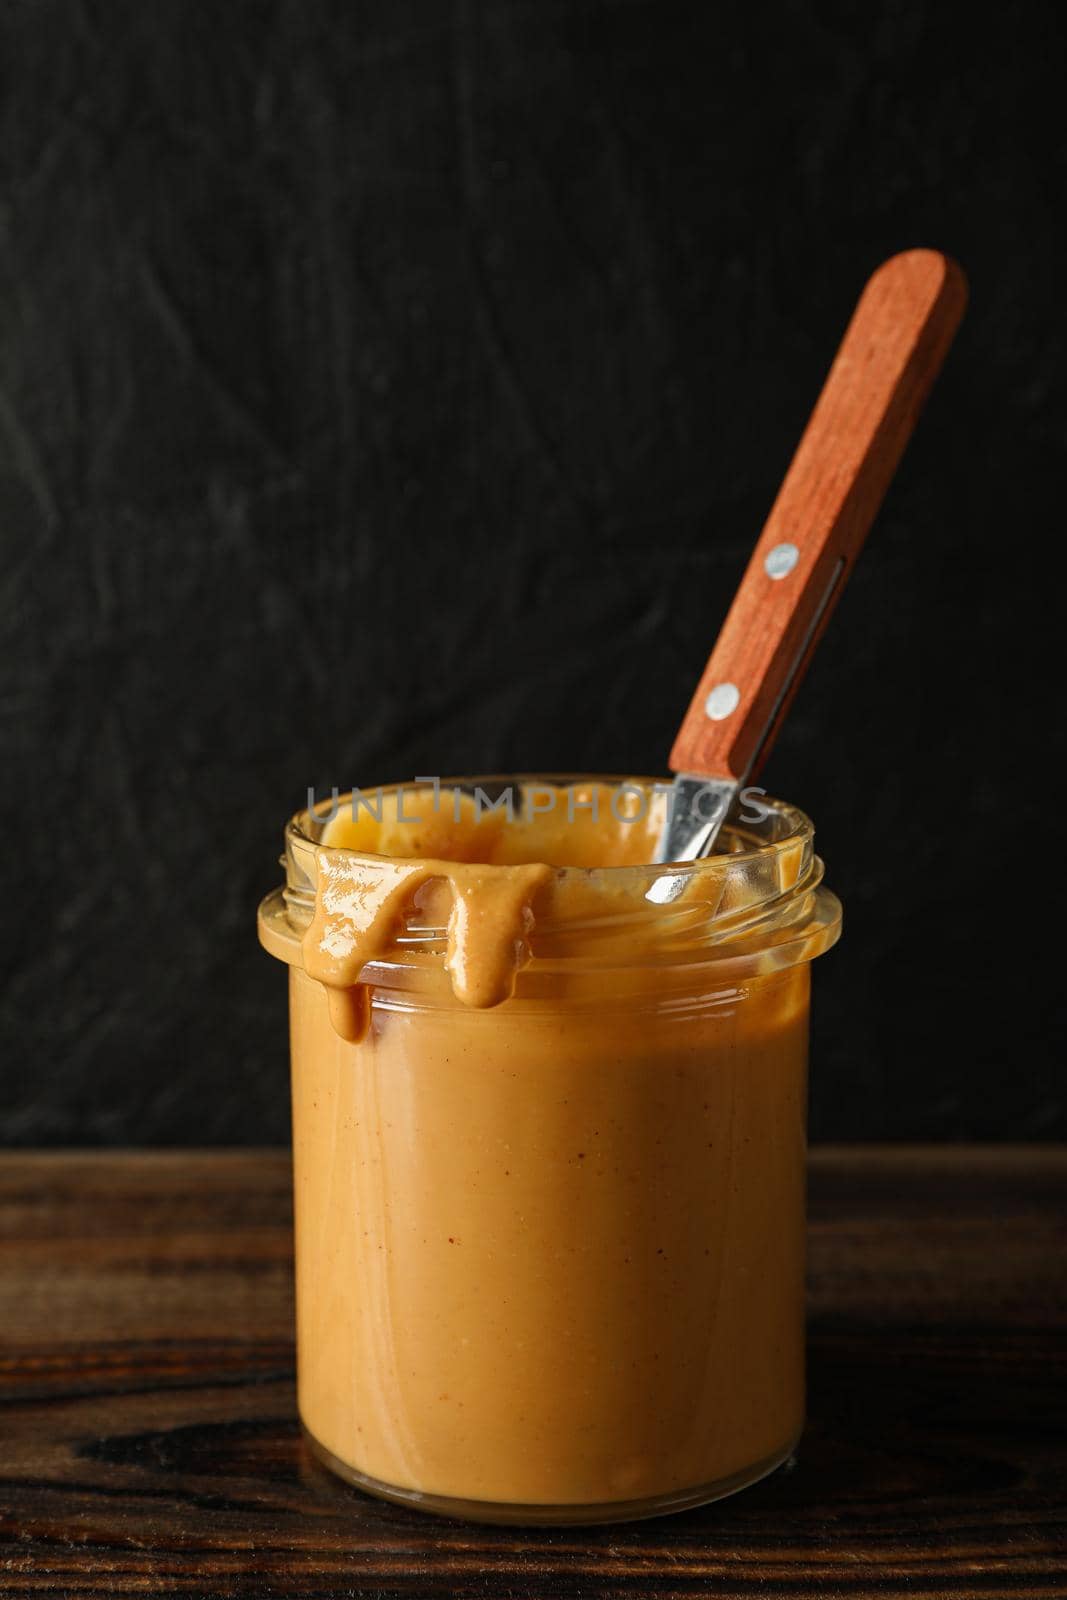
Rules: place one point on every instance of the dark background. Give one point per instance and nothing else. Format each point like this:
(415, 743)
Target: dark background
(399, 388)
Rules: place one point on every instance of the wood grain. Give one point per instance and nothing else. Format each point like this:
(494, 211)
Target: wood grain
(150, 1443)
(890, 355)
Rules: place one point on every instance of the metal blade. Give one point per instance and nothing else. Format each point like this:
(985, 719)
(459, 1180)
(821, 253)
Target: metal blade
(696, 810)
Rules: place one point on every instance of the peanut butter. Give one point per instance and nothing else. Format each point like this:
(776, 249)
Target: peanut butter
(549, 1162)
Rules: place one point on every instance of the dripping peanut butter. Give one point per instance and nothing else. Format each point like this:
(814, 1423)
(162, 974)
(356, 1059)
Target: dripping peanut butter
(549, 1150)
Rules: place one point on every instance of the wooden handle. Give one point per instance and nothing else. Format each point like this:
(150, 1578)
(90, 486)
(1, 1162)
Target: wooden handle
(891, 353)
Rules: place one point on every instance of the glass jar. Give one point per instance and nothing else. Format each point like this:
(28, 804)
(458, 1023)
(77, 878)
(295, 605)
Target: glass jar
(550, 1252)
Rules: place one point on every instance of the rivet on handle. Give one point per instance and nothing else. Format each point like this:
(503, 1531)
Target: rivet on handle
(722, 700)
(779, 562)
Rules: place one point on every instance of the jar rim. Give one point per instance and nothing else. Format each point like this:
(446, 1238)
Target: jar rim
(758, 906)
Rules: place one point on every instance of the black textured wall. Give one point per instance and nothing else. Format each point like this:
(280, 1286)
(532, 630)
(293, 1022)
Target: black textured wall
(398, 387)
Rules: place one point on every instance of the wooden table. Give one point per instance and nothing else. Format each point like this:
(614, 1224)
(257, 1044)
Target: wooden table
(150, 1444)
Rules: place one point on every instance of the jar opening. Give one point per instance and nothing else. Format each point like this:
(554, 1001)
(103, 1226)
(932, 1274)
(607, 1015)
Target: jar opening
(567, 821)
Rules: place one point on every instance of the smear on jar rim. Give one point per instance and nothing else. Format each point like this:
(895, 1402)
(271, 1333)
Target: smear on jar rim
(360, 907)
